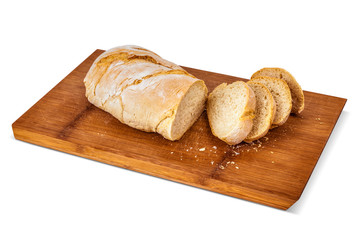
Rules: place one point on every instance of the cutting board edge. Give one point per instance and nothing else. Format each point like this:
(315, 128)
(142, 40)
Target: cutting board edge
(73, 149)
(323, 148)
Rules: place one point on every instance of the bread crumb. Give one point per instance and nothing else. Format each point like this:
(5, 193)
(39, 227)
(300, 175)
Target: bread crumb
(212, 162)
(202, 149)
(171, 152)
(236, 167)
(266, 138)
(214, 147)
(271, 152)
(272, 162)
(221, 167)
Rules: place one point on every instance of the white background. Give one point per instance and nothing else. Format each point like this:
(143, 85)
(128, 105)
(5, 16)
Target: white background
(45, 194)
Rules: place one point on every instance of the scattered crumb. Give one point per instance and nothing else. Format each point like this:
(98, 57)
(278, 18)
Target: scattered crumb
(236, 167)
(202, 149)
(271, 152)
(272, 162)
(195, 156)
(187, 150)
(212, 162)
(232, 162)
(266, 138)
(317, 118)
(171, 152)
(190, 148)
(214, 147)
(221, 167)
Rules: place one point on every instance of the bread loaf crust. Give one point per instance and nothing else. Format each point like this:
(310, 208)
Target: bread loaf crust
(141, 89)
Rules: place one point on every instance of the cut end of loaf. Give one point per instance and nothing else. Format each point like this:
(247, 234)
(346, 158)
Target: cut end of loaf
(230, 110)
(190, 108)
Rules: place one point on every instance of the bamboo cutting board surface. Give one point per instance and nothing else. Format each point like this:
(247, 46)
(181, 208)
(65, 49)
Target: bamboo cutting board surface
(272, 171)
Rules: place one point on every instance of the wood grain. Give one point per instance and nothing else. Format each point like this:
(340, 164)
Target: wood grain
(272, 171)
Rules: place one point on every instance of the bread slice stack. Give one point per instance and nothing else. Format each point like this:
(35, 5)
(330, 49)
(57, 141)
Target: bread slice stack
(282, 96)
(297, 95)
(246, 111)
(264, 112)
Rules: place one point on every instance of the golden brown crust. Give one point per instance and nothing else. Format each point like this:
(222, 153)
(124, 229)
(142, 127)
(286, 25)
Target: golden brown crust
(138, 87)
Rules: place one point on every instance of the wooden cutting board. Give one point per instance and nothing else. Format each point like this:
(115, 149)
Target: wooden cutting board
(272, 171)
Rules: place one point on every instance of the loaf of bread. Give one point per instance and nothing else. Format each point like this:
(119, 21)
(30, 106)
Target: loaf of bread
(230, 110)
(264, 112)
(297, 95)
(145, 91)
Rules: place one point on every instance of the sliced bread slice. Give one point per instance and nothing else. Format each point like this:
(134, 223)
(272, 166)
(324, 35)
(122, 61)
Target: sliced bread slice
(264, 112)
(282, 96)
(297, 95)
(230, 110)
